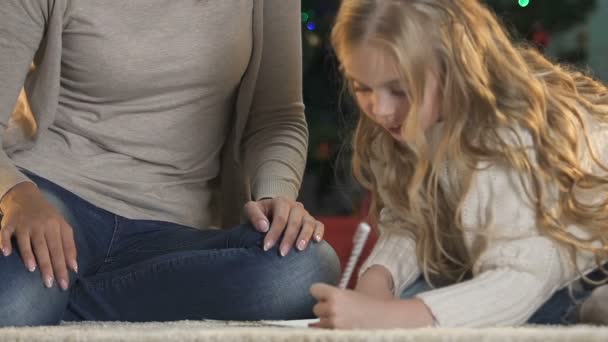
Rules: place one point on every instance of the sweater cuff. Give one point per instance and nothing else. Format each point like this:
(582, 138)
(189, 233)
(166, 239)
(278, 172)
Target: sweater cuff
(494, 298)
(9, 175)
(397, 253)
(274, 187)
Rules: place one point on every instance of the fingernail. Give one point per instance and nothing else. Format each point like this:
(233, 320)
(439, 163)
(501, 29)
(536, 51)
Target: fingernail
(63, 284)
(284, 250)
(75, 267)
(5, 251)
(263, 224)
(31, 266)
(267, 246)
(318, 237)
(48, 282)
(301, 245)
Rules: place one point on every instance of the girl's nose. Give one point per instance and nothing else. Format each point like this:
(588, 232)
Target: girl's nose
(383, 107)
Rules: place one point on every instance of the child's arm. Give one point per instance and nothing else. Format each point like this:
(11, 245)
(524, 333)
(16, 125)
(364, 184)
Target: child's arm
(517, 268)
(391, 267)
(393, 263)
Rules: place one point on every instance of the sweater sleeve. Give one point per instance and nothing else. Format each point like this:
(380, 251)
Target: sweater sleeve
(22, 26)
(517, 270)
(396, 251)
(276, 136)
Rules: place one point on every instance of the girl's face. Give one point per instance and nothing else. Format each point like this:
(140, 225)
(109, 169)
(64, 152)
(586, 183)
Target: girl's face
(380, 92)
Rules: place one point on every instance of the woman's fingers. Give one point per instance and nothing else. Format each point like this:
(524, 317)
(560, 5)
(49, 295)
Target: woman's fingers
(256, 214)
(52, 248)
(296, 215)
(306, 233)
(319, 231)
(55, 245)
(291, 223)
(25, 249)
(280, 216)
(23, 240)
(6, 233)
(43, 257)
(69, 247)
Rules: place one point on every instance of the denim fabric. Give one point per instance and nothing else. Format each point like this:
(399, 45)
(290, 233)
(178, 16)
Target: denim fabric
(138, 270)
(560, 309)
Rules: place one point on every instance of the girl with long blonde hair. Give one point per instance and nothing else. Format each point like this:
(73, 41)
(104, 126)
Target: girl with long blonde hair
(487, 165)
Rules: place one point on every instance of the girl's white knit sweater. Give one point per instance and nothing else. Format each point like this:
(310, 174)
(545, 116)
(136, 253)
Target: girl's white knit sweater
(515, 267)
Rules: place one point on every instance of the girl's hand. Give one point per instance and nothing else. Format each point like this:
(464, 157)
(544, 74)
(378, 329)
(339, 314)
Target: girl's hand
(376, 282)
(287, 216)
(347, 309)
(40, 231)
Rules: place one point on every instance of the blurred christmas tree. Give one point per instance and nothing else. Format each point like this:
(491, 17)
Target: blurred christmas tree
(521, 16)
(538, 20)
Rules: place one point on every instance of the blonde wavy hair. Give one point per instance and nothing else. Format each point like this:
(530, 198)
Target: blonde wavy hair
(488, 86)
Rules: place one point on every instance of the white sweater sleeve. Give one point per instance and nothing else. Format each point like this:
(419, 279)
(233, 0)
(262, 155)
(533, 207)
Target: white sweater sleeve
(512, 281)
(517, 268)
(396, 251)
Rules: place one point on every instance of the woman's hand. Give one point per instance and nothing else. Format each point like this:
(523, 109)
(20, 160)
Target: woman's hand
(287, 216)
(347, 309)
(43, 236)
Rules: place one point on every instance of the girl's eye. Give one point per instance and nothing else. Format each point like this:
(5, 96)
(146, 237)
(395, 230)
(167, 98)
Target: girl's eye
(397, 92)
(361, 89)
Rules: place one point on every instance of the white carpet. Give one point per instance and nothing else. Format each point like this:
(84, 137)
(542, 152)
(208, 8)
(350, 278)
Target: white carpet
(244, 331)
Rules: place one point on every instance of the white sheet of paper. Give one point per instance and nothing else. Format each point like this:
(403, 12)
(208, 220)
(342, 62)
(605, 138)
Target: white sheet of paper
(295, 323)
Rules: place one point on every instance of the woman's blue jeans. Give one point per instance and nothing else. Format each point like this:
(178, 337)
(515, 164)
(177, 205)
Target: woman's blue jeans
(137, 270)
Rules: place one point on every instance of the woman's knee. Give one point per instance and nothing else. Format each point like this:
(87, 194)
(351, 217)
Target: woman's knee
(319, 258)
(323, 262)
(23, 298)
(283, 283)
(318, 263)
